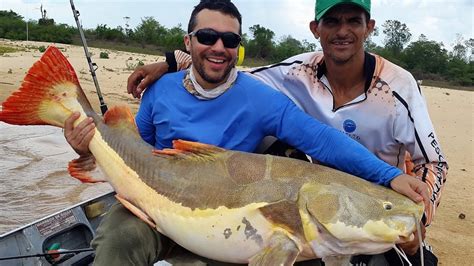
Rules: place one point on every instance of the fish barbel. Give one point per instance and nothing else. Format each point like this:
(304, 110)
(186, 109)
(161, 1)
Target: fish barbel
(224, 205)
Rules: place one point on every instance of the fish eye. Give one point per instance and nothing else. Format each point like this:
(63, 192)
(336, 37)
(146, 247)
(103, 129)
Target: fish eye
(387, 206)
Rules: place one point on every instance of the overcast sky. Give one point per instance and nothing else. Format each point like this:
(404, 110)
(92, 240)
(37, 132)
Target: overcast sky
(439, 20)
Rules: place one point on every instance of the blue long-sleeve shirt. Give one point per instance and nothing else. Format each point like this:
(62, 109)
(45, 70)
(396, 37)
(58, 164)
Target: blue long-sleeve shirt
(242, 116)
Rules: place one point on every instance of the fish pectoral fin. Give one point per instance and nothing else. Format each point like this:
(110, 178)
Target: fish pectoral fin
(281, 250)
(135, 210)
(85, 170)
(183, 149)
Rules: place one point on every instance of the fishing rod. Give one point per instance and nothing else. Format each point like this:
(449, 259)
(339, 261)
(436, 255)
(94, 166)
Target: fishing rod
(92, 66)
(72, 251)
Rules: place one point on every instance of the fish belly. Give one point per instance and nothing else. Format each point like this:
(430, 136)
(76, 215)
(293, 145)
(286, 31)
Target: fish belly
(229, 235)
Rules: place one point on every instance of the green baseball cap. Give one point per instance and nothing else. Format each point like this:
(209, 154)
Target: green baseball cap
(323, 6)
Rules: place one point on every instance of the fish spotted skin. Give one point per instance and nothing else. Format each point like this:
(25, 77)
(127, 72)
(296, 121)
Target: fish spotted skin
(224, 205)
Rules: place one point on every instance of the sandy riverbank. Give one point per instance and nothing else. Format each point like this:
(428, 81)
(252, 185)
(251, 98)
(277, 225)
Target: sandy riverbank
(452, 112)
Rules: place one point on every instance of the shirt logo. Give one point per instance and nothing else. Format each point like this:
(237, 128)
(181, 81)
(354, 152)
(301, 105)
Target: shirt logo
(349, 126)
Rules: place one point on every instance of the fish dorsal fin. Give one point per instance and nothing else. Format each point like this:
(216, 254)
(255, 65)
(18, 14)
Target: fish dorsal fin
(196, 147)
(121, 117)
(191, 150)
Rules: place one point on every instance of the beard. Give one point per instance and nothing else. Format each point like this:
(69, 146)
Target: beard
(341, 58)
(199, 66)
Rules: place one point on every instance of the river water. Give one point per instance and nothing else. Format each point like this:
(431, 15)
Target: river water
(34, 181)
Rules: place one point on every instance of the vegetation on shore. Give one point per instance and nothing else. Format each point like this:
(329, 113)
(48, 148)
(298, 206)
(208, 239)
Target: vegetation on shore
(8, 49)
(425, 59)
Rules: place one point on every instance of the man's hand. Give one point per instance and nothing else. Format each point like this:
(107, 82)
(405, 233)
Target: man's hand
(413, 246)
(412, 188)
(80, 136)
(417, 191)
(144, 76)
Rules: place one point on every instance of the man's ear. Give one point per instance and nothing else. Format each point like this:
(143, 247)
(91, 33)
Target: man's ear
(370, 27)
(187, 42)
(313, 27)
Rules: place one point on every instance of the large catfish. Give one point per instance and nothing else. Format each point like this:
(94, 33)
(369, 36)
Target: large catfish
(225, 205)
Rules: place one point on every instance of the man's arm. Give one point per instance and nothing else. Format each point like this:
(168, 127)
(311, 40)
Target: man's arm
(144, 76)
(415, 130)
(331, 147)
(434, 175)
(424, 158)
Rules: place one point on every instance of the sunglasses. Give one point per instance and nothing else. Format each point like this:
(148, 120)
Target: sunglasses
(210, 37)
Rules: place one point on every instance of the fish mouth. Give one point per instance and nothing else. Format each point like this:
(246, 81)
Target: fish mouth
(404, 225)
(404, 239)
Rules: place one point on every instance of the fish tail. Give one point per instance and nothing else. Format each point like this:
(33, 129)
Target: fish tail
(50, 92)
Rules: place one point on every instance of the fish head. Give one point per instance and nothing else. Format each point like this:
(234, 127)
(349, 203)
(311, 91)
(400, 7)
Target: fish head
(361, 219)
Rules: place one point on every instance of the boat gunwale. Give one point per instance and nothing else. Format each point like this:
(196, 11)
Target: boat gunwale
(11, 232)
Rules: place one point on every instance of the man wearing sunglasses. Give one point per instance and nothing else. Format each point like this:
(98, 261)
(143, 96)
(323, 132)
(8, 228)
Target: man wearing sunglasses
(212, 102)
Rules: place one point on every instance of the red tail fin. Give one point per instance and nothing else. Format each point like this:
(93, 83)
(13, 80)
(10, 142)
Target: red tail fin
(44, 97)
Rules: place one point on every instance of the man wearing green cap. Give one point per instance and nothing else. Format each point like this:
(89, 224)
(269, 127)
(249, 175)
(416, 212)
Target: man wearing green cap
(370, 99)
(323, 6)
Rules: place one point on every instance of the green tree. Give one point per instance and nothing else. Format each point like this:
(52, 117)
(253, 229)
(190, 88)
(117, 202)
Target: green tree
(470, 46)
(262, 45)
(173, 39)
(245, 39)
(459, 72)
(370, 45)
(425, 57)
(460, 49)
(287, 47)
(61, 33)
(105, 33)
(12, 26)
(460, 68)
(309, 46)
(10, 15)
(459, 52)
(397, 35)
(149, 31)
